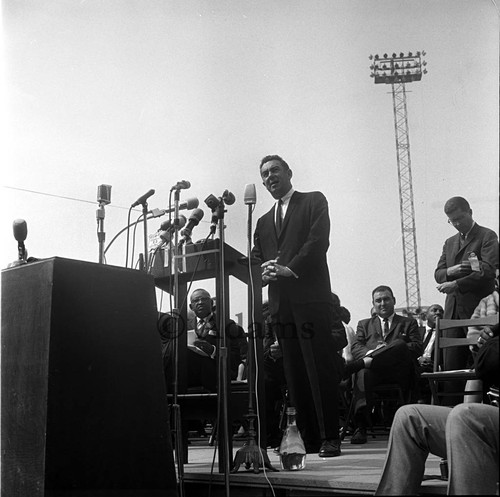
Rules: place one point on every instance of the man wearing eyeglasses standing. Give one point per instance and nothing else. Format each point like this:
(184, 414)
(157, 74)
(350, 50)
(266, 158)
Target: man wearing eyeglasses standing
(465, 271)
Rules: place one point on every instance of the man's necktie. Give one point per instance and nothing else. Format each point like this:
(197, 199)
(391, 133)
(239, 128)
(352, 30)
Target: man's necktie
(201, 329)
(427, 338)
(462, 240)
(386, 327)
(279, 216)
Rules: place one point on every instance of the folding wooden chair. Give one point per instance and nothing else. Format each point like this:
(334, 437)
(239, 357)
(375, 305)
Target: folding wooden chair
(439, 375)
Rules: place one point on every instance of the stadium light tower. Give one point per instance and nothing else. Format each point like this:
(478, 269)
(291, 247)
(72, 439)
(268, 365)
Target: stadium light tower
(397, 71)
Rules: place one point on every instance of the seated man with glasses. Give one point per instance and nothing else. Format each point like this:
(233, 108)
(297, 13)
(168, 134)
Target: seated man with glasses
(202, 366)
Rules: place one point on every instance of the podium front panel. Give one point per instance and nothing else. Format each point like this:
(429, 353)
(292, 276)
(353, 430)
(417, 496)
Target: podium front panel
(83, 395)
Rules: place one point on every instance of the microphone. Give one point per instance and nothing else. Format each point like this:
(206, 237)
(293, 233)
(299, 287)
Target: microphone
(142, 200)
(181, 185)
(104, 194)
(194, 219)
(212, 202)
(165, 236)
(167, 228)
(20, 233)
(228, 197)
(20, 230)
(190, 203)
(250, 195)
(170, 224)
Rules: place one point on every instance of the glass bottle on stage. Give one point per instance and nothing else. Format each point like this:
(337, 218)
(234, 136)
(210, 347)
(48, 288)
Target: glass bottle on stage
(292, 448)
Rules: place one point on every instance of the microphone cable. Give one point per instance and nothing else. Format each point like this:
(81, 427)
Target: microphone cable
(128, 237)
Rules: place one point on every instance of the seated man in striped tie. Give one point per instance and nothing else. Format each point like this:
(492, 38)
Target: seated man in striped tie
(202, 366)
(395, 343)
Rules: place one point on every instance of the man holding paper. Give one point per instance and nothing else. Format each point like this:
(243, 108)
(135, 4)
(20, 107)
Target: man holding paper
(394, 342)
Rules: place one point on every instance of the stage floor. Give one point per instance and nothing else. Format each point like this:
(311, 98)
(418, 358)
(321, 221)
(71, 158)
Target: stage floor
(355, 472)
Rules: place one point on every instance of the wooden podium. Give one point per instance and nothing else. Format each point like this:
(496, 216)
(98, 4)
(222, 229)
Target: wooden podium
(197, 264)
(84, 409)
(200, 262)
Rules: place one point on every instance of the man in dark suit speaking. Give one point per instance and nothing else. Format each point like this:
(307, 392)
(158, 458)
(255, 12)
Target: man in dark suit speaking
(291, 241)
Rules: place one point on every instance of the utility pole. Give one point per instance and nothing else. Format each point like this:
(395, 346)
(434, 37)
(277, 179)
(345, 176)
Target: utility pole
(397, 71)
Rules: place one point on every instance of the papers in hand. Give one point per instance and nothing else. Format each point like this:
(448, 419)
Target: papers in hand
(378, 347)
(199, 345)
(194, 348)
(191, 337)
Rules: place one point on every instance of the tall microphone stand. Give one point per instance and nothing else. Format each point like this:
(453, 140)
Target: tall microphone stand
(222, 398)
(251, 454)
(101, 236)
(145, 216)
(176, 409)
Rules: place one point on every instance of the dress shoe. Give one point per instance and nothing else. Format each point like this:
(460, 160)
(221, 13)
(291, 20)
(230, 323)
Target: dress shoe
(359, 436)
(330, 448)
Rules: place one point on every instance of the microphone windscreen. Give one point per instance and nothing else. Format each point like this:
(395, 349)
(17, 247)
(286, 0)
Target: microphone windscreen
(166, 235)
(166, 225)
(228, 197)
(250, 196)
(192, 203)
(104, 194)
(196, 215)
(182, 221)
(20, 230)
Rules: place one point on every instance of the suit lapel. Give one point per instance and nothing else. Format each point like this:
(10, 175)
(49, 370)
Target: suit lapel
(471, 236)
(394, 323)
(289, 210)
(457, 257)
(377, 326)
(459, 252)
(269, 224)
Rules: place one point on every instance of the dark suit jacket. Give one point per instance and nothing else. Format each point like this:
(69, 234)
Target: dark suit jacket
(301, 246)
(369, 332)
(237, 343)
(473, 287)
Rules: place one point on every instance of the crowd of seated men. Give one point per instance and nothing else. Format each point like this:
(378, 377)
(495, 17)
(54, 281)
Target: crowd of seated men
(385, 349)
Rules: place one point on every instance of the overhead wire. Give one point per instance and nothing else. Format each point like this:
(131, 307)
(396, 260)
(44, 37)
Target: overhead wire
(60, 196)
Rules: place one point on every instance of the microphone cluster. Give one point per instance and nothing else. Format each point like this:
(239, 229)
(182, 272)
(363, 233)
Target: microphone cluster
(194, 220)
(169, 228)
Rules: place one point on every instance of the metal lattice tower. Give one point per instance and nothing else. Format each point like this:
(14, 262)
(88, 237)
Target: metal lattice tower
(397, 71)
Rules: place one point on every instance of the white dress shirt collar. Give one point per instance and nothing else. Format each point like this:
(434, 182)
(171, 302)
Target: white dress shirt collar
(389, 320)
(285, 200)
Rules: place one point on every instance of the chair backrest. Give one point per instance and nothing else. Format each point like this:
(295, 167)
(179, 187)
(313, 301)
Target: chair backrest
(441, 342)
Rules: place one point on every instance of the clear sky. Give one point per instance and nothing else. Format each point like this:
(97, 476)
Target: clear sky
(140, 94)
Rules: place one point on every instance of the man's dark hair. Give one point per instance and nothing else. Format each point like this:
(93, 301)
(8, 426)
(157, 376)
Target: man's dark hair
(456, 203)
(383, 288)
(268, 158)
